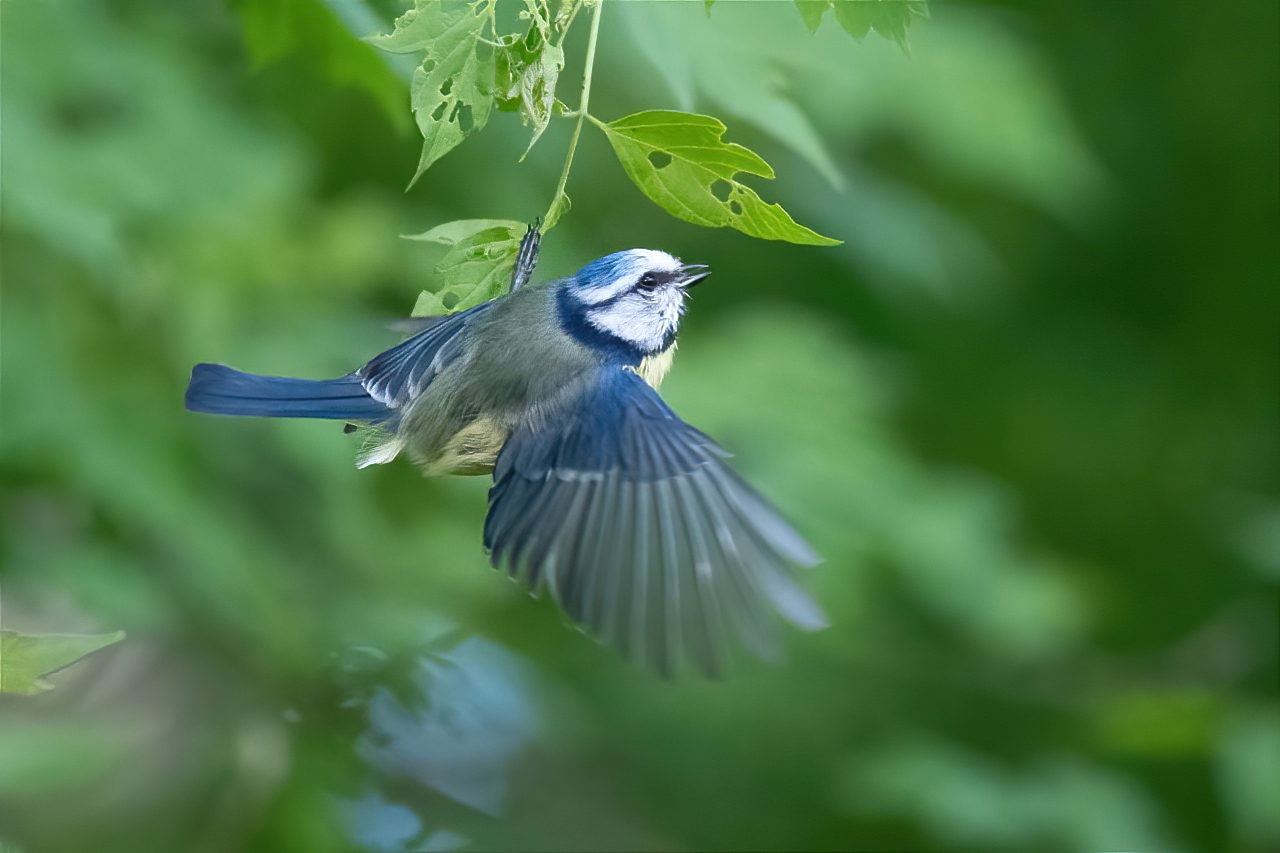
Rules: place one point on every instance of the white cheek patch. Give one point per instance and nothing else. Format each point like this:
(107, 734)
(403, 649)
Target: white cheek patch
(644, 321)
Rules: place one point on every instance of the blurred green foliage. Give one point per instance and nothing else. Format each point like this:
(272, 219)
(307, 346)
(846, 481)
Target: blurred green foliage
(1026, 411)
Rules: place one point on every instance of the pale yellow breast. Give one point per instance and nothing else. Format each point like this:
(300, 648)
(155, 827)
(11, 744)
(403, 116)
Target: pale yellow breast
(473, 450)
(653, 369)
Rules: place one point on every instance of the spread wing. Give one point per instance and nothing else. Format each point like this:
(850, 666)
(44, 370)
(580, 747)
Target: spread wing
(402, 373)
(642, 532)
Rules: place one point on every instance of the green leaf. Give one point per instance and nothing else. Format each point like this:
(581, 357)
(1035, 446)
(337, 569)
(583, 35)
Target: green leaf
(536, 87)
(679, 161)
(428, 305)
(452, 90)
(559, 207)
(450, 233)
(26, 658)
(274, 29)
(735, 65)
(889, 18)
(477, 266)
(527, 71)
(812, 12)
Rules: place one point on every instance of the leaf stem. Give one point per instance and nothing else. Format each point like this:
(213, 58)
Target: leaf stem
(493, 23)
(568, 21)
(581, 111)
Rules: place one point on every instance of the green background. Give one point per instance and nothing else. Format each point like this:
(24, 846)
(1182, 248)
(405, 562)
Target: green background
(1027, 412)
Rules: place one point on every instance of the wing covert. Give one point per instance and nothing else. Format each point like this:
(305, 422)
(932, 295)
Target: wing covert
(401, 373)
(642, 532)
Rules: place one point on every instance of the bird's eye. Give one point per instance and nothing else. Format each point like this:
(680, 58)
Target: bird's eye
(648, 281)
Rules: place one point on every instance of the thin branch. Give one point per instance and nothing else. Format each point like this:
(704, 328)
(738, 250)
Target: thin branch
(582, 104)
(568, 21)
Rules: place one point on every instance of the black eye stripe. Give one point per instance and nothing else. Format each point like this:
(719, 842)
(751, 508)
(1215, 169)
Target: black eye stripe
(654, 278)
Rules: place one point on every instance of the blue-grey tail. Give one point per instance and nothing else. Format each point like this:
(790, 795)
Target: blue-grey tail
(219, 390)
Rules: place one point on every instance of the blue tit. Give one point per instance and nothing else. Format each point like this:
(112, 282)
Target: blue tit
(601, 494)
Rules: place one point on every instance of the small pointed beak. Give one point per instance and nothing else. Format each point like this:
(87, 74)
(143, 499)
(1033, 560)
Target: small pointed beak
(691, 274)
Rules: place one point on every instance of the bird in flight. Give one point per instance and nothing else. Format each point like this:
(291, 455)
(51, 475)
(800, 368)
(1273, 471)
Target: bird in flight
(629, 516)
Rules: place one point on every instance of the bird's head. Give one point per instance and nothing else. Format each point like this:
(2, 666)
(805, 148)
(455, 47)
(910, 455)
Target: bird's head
(631, 299)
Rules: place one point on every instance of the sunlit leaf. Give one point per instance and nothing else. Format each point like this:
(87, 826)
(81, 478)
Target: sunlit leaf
(25, 659)
(477, 266)
(452, 90)
(274, 29)
(679, 161)
(527, 71)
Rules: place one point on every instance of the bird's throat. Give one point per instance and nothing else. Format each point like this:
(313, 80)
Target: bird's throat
(653, 368)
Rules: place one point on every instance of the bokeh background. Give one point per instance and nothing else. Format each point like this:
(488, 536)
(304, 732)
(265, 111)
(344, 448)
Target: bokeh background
(1027, 412)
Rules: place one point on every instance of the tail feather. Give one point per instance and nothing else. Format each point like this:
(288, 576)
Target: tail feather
(219, 390)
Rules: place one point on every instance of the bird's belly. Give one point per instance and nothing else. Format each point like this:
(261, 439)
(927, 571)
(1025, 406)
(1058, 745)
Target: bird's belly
(472, 450)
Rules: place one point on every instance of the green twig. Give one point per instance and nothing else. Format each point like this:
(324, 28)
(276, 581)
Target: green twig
(581, 112)
(568, 21)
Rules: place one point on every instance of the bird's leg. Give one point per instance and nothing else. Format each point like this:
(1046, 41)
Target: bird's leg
(527, 257)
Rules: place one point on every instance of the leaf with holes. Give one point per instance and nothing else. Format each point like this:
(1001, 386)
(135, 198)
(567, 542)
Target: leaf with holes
(527, 71)
(452, 91)
(679, 161)
(428, 305)
(477, 266)
(25, 659)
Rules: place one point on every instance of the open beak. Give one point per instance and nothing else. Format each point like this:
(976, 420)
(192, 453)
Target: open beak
(691, 274)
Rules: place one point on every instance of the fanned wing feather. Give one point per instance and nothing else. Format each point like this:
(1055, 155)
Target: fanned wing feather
(642, 532)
